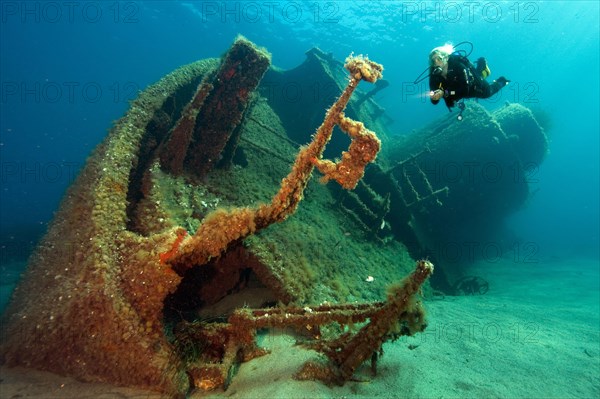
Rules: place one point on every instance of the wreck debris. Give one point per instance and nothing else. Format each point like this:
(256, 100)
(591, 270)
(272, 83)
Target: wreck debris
(400, 315)
(92, 302)
(452, 184)
(224, 227)
(525, 134)
(312, 87)
(238, 76)
(174, 149)
(363, 149)
(223, 345)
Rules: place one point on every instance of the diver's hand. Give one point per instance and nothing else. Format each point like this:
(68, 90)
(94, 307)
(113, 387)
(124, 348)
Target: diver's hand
(502, 81)
(436, 95)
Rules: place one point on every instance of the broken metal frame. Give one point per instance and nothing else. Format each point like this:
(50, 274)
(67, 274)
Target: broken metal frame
(224, 345)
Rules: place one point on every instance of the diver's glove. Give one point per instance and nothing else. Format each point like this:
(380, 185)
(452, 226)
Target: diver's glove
(502, 81)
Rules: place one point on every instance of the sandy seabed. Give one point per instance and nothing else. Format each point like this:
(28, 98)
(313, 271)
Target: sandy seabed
(535, 334)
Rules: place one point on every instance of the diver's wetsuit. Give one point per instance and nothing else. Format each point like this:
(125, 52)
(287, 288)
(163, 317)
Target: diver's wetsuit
(462, 81)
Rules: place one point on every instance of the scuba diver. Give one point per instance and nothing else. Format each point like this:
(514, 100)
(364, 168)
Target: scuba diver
(453, 77)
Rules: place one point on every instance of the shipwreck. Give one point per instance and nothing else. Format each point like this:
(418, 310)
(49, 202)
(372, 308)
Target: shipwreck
(196, 223)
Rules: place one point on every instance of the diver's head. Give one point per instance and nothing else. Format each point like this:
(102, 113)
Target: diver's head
(438, 58)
